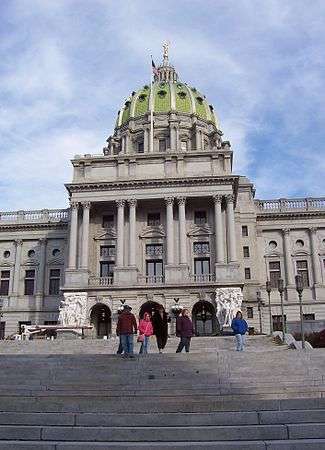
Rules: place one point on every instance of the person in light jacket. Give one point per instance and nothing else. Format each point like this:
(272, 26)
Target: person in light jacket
(239, 327)
(184, 330)
(145, 331)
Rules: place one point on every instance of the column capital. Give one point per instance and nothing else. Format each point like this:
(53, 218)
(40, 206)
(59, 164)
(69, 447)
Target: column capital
(132, 202)
(86, 205)
(120, 203)
(286, 231)
(313, 230)
(181, 200)
(18, 242)
(217, 198)
(230, 198)
(74, 205)
(42, 241)
(169, 200)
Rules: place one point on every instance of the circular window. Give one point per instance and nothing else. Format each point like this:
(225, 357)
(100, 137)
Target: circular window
(323, 241)
(31, 253)
(56, 252)
(273, 245)
(300, 243)
(6, 254)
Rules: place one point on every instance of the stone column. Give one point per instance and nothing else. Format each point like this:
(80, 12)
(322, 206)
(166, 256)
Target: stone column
(218, 230)
(18, 244)
(182, 230)
(120, 233)
(231, 232)
(170, 229)
(146, 140)
(42, 267)
(198, 139)
(73, 236)
(85, 235)
(315, 257)
(287, 257)
(132, 231)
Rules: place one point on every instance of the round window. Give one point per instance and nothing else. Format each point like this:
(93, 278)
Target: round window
(31, 253)
(273, 245)
(56, 252)
(6, 254)
(300, 243)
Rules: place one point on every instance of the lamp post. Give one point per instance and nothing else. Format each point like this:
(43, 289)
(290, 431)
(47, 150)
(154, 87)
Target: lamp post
(176, 309)
(268, 290)
(1, 305)
(281, 290)
(299, 289)
(259, 307)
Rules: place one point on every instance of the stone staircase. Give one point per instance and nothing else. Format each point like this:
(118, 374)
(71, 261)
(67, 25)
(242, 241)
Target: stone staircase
(67, 395)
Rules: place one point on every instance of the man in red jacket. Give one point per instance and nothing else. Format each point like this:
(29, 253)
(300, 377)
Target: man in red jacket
(126, 327)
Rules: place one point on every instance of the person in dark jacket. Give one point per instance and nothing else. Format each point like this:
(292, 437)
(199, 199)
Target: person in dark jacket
(239, 327)
(126, 328)
(184, 330)
(160, 321)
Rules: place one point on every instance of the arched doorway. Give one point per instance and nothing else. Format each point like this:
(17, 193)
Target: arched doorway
(149, 307)
(100, 318)
(204, 319)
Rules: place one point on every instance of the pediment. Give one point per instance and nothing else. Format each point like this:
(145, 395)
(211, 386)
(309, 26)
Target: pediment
(4, 263)
(110, 233)
(300, 253)
(55, 261)
(273, 254)
(152, 232)
(200, 230)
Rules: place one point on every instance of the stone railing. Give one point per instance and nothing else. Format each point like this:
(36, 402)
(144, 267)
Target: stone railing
(36, 216)
(100, 281)
(290, 205)
(202, 278)
(151, 279)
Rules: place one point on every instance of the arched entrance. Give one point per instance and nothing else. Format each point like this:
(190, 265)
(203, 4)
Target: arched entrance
(149, 307)
(100, 318)
(204, 319)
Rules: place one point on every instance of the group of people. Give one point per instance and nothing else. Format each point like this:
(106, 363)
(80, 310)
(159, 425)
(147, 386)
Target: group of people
(157, 325)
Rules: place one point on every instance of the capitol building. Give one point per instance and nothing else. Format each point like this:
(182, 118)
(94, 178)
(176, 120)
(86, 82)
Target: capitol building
(160, 218)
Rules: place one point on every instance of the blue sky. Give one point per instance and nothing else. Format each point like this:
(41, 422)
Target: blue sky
(68, 65)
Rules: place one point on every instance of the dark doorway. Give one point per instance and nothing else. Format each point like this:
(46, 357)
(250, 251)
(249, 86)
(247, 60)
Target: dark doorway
(20, 325)
(277, 322)
(2, 330)
(204, 319)
(101, 319)
(149, 307)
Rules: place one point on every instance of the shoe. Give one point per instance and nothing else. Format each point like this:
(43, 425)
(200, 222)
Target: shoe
(160, 351)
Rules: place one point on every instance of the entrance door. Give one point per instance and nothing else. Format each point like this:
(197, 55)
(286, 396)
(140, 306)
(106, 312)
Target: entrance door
(277, 322)
(204, 319)
(149, 307)
(100, 318)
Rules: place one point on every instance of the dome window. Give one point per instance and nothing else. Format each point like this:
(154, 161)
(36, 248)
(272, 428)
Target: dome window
(142, 97)
(162, 93)
(146, 87)
(179, 85)
(182, 94)
(200, 100)
(127, 104)
(162, 84)
(211, 108)
(193, 89)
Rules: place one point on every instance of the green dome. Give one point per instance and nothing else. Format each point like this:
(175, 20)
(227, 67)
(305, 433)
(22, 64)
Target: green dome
(169, 97)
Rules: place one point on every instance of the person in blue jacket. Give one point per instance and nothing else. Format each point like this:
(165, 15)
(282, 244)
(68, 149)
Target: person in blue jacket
(239, 327)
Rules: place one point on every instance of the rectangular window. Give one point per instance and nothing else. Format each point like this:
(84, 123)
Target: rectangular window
(247, 273)
(108, 221)
(202, 266)
(154, 250)
(244, 230)
(201, 248)
(50, 322)
(309, 316)
(140, 147)
(54, 284)
(29, 282)
(275, 273)
(200, 217)
(4, 282)
(183, 146)
(246, 252)
(250, 312)
(107, 251)
(153, 219)
(106, 268)
(162, 145)
(277, 322)
(302, 269)
(154, 268)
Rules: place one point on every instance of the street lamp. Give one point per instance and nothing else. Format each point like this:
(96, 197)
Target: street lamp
(1, 305)
(176, 308)
(259, 307)
(281, 290)
(268, 290)
(299, 289)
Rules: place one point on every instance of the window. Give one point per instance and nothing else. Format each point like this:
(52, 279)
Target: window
(300, 243)
(247, 273)
(200, 217)
(31, 253)
(302, 269)
(6, 254)
(244, 230)
(162, 145)
(309, 316)
(277, 322)
(4, 282)
(202, 266)
(154, 268)
(56, 252)
(54, 284)
(2, 330)
(140, 147)
(108, 221)
(29, 282)
(273, 245)
(50, 322)
(246, 252)
(275, 273)
(250, 312)
(153, 219)
(201, 248)
(154, 249)
(106, 268)
(107, 251)
(183, 146)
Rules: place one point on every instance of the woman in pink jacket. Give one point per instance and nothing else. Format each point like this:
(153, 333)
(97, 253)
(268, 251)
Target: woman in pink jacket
(145, 331)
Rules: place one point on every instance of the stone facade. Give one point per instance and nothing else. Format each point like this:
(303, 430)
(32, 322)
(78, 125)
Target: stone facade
(166, 222)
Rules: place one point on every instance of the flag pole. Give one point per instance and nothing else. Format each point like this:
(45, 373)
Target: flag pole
(151, 108)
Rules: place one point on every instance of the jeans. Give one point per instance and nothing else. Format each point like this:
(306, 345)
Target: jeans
(144, 345)
(184, 342)
(240, 342)
(127, 344)
(120, 347)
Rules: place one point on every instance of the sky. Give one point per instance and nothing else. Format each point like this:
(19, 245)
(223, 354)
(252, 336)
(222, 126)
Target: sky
(67, 66)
